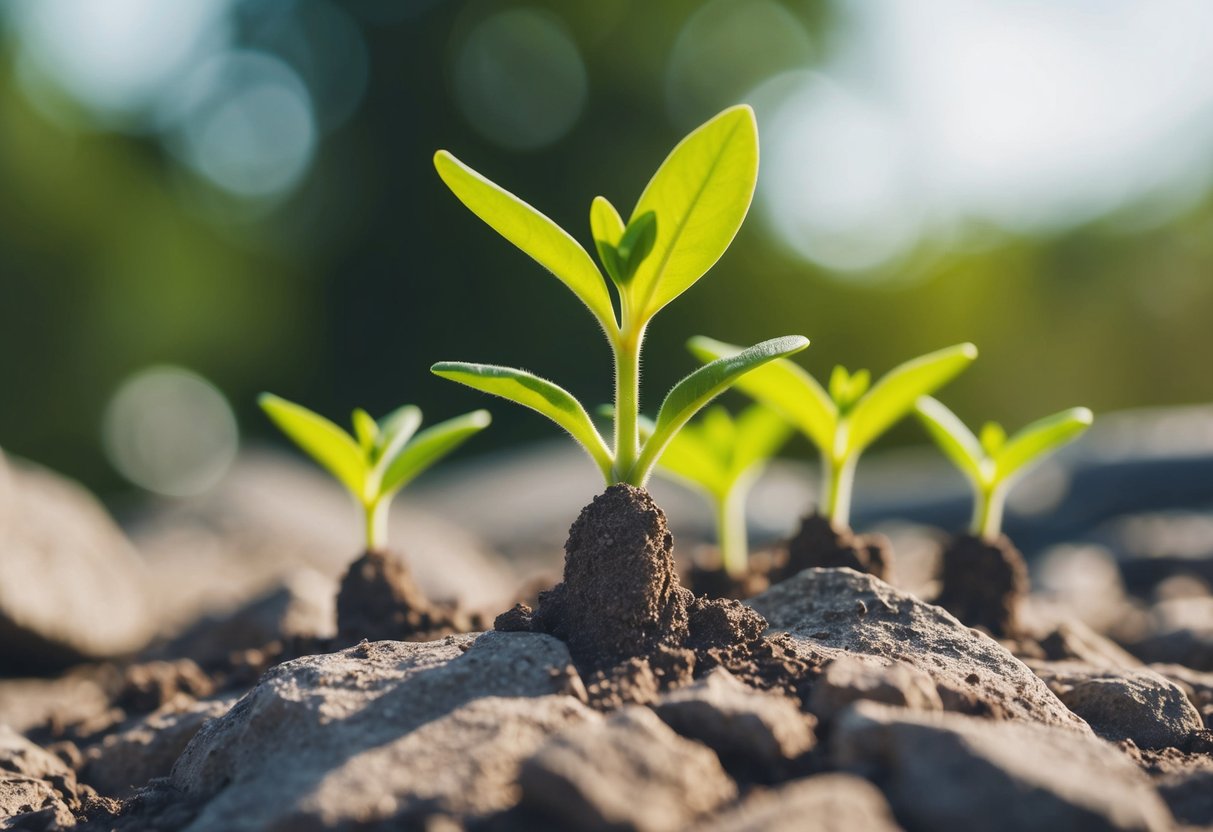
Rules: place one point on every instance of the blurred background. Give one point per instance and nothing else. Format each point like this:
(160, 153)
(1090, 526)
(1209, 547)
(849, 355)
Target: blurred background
(203, 199)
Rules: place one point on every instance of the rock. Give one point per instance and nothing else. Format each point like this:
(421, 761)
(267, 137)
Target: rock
(751, 731)
(1198, 686)
(984, 583)
(1085, 581)
(951, 772)
(1180, 632)
(629, 772)
(21, 758)
(1123, 704)
(1189, 796)
(840, 612)
(150, 685)
(76, 696)
(384, 730)
(22, 795)
(1073, 640)
(825, 803)
(848, 679)
(147, 747)
(72, 587)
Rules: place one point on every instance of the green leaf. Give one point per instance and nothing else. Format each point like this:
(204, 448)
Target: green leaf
(545, 241)
(956, 441)
(539, 395)
(395, 430)
(329, 445)
(857, 386)
(429, 446)
(895, 394)
(607, 228)
(637, 243)
(1036, 440)
(700, 194)
(365, 430)
(761, 432)
(785, 388)
(840, 379)
(689, 395)
(691, 460)
(992, 438)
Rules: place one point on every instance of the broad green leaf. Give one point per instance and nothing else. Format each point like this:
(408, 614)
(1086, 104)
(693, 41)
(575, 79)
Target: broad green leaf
(1039, 438)
(637, 243)
(429, 446)
(689, 395)
(545, 241)
(329, 445)
(956, 441)
(785, 388)
(700, 194)
(606, 226)
(761, 432)
(894, 395)
(718, 430)
(539, 395)
(395, 430)
(366, 430)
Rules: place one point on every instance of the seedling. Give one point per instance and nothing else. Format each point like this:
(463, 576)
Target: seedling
(721, 458)
(379, 458)
(993, 462)
(848, 418)
(684, 221)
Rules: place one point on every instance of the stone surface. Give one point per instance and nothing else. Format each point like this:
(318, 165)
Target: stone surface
(76, 696)
(382, 730)
(840, 612)
(22, 795)
(757, 732)
(1123, 704)
(1180, 631)
(1073, 640)
(72, 586)
(951, 772)
(849, 679)
(629, 772)
(1189, 796)
(825, 803)
(1198, 686)
(34, 780)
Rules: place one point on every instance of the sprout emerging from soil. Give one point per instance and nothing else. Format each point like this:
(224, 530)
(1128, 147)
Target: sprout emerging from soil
(683, 222)
(993, 462)
(848, 418)
(721, 457)
(379, 458)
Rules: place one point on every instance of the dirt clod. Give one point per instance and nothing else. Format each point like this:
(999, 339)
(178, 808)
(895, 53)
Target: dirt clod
(379, 601)
(984, 584)
(819, 543)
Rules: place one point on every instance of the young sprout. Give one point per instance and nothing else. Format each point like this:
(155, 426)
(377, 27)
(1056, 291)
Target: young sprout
(380, 458)
(721, 458)
(848, 418)
(685, 219)
(993, 462)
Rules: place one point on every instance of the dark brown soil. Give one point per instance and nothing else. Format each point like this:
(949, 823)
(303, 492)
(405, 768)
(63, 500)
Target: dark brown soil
(818, 543)
(708, 578)
(379, 601)
(984, 584)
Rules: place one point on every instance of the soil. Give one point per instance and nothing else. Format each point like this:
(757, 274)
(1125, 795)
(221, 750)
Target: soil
(819, 543)
(708, 578)
(984, 584)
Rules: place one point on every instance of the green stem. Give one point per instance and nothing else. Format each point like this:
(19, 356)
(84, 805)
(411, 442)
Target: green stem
(627, 405)
(988, 508)
(731, 532)
(838, 479)
(376, 524)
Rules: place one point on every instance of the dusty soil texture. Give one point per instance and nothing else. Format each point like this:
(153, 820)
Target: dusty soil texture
(819, 544)
(379, 600)
(984, 584)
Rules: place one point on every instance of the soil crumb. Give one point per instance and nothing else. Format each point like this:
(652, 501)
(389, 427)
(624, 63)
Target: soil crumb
(819, 543)
(984, 584)
(379, 601)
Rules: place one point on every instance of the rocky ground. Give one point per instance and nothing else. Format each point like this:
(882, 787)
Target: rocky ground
(241, 707)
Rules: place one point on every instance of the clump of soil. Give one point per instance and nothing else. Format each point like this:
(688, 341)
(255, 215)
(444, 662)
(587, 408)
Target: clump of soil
(632, 629)
(380, 601)
(819, 543)
(984, 583)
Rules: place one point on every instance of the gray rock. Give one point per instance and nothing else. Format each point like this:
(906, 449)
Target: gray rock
(1198, 686)
(147, 747)
(22, 758)
(1180, 632)
(1123, 704)
(1074, 640)
(1189, 796)
(73, 697)
(840, 612)
(950, 772)
(630, 772)
(382, 730)
(848, 679)
(762, 731)
(21, 795)
(71, 585)
(825, 803)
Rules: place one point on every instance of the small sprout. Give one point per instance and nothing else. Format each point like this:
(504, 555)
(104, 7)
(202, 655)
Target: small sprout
(684, 221)
(721, 458)
(380, 458)
(993, 462)
(845, 421)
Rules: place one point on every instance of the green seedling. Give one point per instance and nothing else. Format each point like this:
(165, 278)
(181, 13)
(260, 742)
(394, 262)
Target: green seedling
(993, 462)
(379, 458)
(843, 421)
(721, 457)
(683, 222)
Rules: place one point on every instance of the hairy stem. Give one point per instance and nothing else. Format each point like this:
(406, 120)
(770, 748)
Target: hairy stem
(731, 531)
(376, 524)
(838, 478)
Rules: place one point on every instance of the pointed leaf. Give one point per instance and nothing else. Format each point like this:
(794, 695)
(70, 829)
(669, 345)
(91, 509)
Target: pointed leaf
(637, 243)
(365, 430)
(894, 395)
(607, 228)
(785, 388)
(545, 241)
(323, 441)
(539, 395)
(689, 395)
(956, 441)
(839, 381)
(396, 429)
(1036, 440)
(700, 194)
(992, 438)
(429, 446)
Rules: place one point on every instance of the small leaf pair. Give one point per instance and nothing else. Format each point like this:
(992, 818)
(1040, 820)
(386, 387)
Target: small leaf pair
(993, 462)
(683, 222)
(379, 458)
